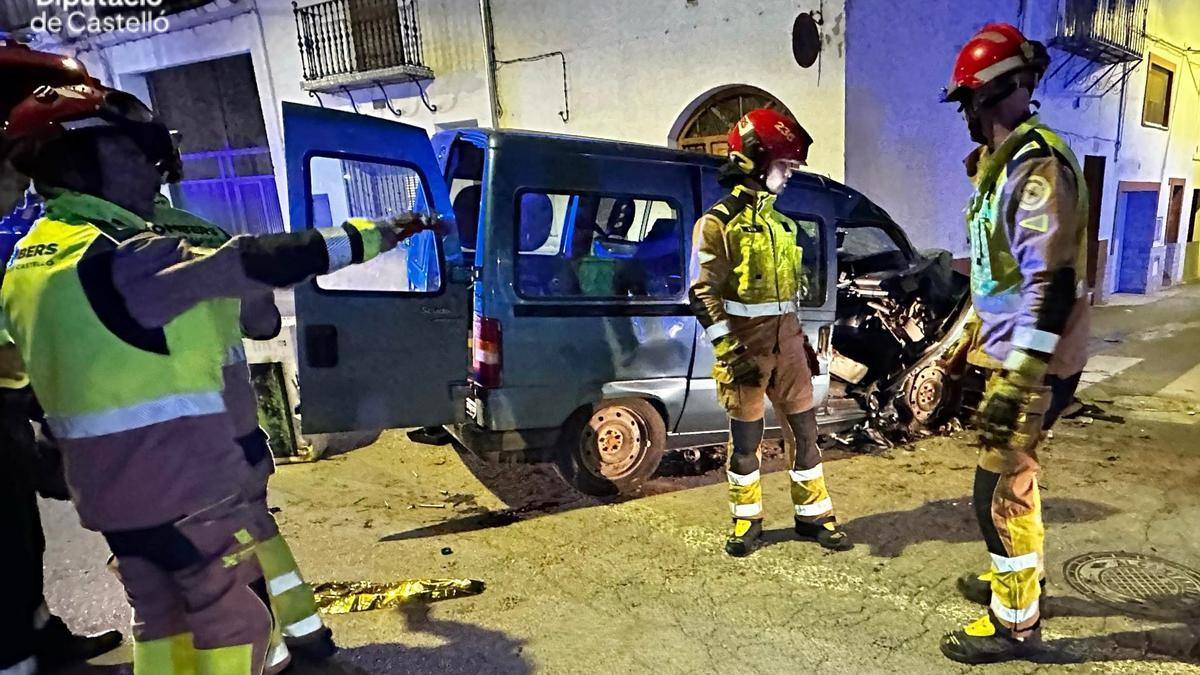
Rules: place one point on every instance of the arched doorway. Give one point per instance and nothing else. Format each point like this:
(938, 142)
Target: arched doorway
(707, 121)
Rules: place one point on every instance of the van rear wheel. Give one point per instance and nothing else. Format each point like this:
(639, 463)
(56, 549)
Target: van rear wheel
(614, 447)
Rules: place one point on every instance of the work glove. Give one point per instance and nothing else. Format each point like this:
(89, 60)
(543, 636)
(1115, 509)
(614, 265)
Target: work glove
(734, 364)
(396, 230)
(1009, 393)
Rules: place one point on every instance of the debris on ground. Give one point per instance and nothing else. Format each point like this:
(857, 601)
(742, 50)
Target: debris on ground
(430, 436)
(1090, 412)
(692, 461)
(343, 597)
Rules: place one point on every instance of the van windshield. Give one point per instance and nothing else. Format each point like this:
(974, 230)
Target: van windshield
(598, 246)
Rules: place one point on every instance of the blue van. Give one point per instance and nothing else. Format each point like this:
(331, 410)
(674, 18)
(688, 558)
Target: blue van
(552, 322)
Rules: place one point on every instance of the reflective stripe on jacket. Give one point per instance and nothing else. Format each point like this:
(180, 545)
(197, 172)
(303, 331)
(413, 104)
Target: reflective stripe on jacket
(1027, 225)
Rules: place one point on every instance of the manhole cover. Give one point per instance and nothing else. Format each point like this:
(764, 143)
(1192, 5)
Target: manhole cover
(1136, 584)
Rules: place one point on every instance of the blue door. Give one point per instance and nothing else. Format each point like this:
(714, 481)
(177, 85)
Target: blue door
(383, 344)
(1137, 239)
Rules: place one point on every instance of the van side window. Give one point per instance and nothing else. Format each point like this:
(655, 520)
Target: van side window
(598, 246)
(811, 239)
(341, 189)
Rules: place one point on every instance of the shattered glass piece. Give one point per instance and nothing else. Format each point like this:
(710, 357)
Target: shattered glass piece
(343, 597)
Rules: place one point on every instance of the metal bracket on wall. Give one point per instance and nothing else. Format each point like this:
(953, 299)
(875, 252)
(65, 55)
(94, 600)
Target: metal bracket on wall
(387, 101)
(317, 96)
(1103, 76)
(424, 98)
(1060, 66)
(346, 91)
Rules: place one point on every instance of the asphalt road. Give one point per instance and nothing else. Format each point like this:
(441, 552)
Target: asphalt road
(579, 586)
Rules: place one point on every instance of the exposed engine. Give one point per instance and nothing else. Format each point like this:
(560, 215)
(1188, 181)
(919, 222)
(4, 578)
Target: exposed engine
(890, 326)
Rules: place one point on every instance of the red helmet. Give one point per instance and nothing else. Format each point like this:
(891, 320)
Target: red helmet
(997, 49)
(53, 112)
(765, 135)
(22, 70)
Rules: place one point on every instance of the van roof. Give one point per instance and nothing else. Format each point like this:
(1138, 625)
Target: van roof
(856, 205)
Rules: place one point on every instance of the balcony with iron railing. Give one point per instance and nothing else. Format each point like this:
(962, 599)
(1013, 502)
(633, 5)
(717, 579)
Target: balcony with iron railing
(1105, 31)
(354, 43)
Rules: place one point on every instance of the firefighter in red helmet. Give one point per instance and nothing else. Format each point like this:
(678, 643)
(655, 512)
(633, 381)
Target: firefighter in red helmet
(1027, 225)
(751, 275)
(133, 330)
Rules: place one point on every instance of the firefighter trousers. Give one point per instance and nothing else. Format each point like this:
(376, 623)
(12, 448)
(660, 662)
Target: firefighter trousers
(197, 593)
(1009, 509)
(810, 497)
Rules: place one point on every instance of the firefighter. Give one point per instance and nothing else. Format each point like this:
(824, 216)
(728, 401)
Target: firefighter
(745, 297)
(124, 333)
(1027, 228)
(298, 625)
(31, 638)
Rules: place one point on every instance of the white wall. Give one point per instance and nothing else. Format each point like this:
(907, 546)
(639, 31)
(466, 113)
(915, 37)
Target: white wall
(635, 66)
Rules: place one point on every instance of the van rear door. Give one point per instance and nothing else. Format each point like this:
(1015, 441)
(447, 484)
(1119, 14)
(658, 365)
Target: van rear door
(383, 344)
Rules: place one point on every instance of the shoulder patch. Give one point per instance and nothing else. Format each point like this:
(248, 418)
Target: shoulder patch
(1035, 193)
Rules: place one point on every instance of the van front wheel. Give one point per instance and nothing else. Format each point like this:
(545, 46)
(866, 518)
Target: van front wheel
(614, 447)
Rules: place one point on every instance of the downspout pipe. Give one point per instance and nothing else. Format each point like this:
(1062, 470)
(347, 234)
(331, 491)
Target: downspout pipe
(489, 48)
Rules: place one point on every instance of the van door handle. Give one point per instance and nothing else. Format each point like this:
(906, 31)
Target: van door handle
(321, 346)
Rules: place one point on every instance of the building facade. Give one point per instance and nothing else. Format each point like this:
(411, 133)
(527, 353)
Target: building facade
(1123, 88)
(654, 71)
(864, 76)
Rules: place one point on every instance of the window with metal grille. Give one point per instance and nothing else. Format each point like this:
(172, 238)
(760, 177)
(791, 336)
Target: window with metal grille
(341, 189)
(1160, 80)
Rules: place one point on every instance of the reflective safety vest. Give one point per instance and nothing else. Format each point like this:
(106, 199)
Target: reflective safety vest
(995, 274)
(95, 370)
(172, 222)
(765, 260)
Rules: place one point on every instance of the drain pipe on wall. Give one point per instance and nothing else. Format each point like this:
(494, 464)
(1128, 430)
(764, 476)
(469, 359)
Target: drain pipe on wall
(489, 55)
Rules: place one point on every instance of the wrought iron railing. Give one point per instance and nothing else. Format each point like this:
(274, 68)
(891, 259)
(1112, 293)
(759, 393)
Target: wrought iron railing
(344, 37)
(1108, 31)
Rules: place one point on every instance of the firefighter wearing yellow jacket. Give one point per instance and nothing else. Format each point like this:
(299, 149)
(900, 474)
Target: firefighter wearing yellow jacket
(124, 333)
(750, 272)
(1027, 228)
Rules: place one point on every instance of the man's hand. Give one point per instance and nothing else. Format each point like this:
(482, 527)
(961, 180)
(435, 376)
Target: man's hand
(402, 227)
(734, 364)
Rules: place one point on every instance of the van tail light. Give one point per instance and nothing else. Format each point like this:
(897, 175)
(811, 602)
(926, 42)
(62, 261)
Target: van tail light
(485, 352)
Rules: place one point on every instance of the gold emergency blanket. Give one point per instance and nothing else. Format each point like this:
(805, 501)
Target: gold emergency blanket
(343, 597)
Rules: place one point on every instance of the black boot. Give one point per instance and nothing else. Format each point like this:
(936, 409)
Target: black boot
(978, 588)
(827, 534)
(315, 648)
(744, 538)
(56, 646)
(987, 641)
